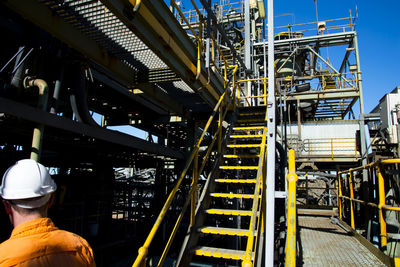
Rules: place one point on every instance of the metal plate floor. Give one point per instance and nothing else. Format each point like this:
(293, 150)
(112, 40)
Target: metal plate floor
(323, 243)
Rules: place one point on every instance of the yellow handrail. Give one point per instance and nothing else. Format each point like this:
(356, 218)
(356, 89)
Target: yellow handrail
(378, 165)
(144, 249)
(292, 178)
(193, 159)
(258, 191)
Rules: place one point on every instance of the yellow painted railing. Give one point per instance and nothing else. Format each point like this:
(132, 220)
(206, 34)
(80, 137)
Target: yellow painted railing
(199, 38)
(331, 146)
(291, 249)
(242, 95)
(255, 221)
(345, 180)
(221, 108)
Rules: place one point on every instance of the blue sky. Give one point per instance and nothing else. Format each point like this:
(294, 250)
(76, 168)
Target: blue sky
(378, 38)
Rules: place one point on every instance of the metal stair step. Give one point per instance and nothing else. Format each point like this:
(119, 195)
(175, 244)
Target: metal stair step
(238, 167)
(250, 120)
(252, 114)
(224, 231)
(219, 253)
(229, 212)
(232, 195)
(236, 181)
(245, 136)
(244, 146)
(231, 156)
(248, 128)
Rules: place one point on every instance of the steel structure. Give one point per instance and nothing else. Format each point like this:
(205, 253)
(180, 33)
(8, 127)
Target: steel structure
(221, 103)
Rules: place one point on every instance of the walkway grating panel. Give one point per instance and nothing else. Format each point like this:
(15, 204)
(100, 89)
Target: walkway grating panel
(323, 243)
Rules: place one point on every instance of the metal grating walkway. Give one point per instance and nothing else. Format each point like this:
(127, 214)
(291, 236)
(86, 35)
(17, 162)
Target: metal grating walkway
(323, 243)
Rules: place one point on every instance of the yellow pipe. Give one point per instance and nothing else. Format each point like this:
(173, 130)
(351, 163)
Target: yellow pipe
(351, 201)
(136, 4)
(292, 178)
(199, 46)
(382, 203)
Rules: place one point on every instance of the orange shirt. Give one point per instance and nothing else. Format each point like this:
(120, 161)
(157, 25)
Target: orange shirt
(40, 243)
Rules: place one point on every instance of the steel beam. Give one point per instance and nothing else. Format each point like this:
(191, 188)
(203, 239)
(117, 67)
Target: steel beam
(156, 26)
(322, 95)
(323, 40)
(56, 26)
(37, 116)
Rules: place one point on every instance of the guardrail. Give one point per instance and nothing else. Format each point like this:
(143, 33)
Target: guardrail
(345, 183)
(220, 109)
(200, 25)
(291, 250)
(256, 221)
(330, 146)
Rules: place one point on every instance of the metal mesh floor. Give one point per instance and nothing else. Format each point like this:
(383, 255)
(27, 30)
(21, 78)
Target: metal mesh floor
(326, 244)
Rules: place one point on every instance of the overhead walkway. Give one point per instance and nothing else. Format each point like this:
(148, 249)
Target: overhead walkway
(323, 243)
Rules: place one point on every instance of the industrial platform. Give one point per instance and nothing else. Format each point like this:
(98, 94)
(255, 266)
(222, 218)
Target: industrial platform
(323, 243)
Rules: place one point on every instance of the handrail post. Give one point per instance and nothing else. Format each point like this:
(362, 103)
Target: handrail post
(306, 188)
(339, 198)
(292, 178)
(351, 199)
(382, 202)
(219, 126)
(194, 191)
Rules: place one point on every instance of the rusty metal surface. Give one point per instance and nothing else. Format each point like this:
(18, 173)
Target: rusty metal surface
(323, 243)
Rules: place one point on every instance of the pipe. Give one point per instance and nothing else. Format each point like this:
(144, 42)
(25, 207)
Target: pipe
(78, 98)
(38, 131)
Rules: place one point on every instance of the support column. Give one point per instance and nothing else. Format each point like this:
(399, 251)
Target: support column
(270, 199)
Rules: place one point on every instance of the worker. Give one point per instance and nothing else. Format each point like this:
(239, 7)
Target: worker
(27, 191)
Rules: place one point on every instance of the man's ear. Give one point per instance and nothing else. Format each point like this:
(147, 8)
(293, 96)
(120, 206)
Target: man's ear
(7, 206)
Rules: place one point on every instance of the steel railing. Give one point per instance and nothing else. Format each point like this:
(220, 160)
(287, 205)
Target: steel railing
(345, 183)
(292, 178)
(220, 109)
(257, 216)
(330, 146)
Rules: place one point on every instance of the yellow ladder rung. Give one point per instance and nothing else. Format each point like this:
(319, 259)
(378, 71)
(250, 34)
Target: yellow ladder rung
(241, 156)
(238, 136)
(229, 212)
(236, 181)
(244, 145)
(231, 195)
(238, 167)
(248, 128)
(224, 231)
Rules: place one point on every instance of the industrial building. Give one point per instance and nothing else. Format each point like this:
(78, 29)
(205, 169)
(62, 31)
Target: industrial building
(257, 150)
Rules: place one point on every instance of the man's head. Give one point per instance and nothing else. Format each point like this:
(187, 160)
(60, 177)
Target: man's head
(26, 189)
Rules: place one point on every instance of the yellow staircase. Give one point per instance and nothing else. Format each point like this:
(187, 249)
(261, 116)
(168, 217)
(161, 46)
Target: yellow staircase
(227, 225)
(327, 80)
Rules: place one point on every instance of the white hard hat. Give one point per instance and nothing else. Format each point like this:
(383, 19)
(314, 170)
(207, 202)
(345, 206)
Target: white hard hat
(27, 179)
